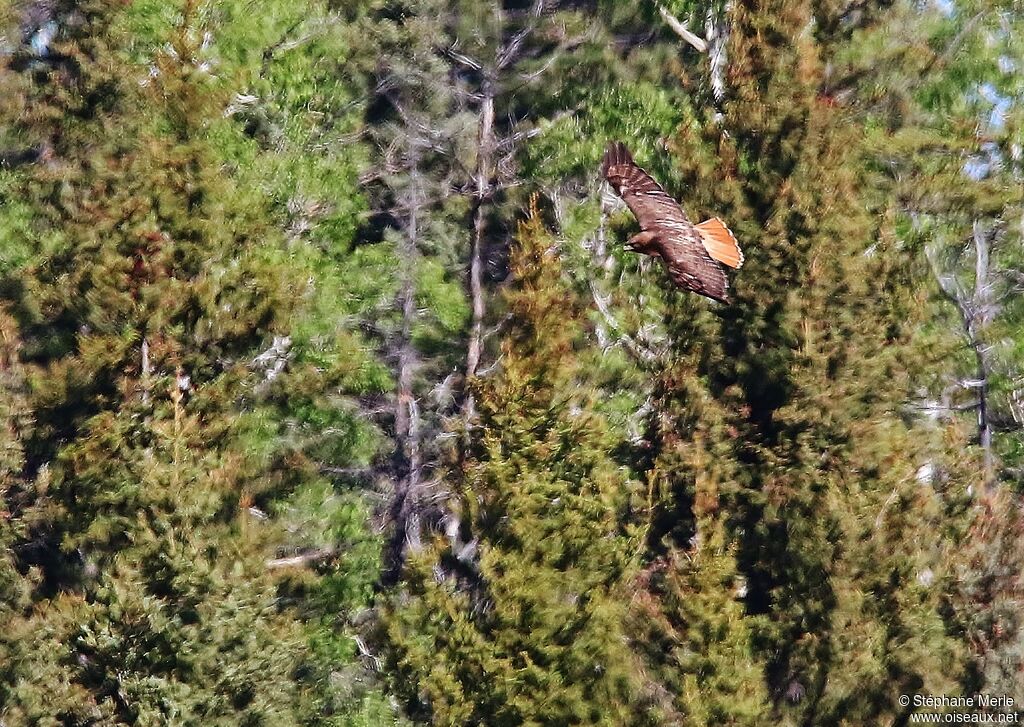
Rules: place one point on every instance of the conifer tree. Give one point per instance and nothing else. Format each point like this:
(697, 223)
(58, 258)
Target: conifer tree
(791, 395)
(694, 630)
(148, 292)
(15, 588)
(522, 621)
(460, 91)
(961, 120)
(962, 142)
(414, 118)
(291, 135)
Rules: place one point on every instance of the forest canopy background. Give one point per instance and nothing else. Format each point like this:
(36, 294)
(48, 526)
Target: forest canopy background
(329, 396)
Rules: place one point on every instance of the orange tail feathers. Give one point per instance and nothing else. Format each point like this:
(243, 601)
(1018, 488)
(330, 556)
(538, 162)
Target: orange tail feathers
(720, 242)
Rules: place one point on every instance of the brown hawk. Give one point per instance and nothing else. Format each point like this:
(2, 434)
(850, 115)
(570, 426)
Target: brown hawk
(691, 253)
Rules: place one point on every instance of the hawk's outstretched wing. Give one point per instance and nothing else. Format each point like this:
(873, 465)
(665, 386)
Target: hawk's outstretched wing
(690, 266)
(653, 208)
(689, 251)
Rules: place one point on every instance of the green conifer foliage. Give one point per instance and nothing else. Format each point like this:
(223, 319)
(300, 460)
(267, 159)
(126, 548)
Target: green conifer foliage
(520, 621)
(986, 597)
(149, 293)
(689, 623)
(235, 239)
(963, 143)
(176, 626)
(291, 137)
(15, 588)
(14, 414)
(961, 140)
(788, 400)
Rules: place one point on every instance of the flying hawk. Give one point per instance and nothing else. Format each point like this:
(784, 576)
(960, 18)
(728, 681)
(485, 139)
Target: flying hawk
(691, 253)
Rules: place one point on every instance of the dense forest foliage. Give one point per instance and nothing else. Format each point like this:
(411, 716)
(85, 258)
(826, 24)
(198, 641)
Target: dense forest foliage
(331, 397)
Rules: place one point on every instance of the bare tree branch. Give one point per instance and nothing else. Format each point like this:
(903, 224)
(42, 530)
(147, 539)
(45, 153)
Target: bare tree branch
(682, 31)
(462, 58)
(510, 53)
(303, 559)
(482, 178)
(639, 352)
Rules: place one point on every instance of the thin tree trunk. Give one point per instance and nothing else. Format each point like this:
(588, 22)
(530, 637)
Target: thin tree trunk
(485, 145)
(982, 316)
(976, 311)
(408, 461)
(984, 426)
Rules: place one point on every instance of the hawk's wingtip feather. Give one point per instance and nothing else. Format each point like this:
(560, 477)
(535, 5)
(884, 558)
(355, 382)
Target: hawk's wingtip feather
(616, 154)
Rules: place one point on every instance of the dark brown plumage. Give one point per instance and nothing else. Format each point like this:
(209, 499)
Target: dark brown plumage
(691, 253)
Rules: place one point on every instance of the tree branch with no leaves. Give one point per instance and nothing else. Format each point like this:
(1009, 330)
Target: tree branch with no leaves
(682, 31)
(303, 559)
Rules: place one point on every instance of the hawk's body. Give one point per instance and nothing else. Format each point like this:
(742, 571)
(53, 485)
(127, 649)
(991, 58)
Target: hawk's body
(691, 253)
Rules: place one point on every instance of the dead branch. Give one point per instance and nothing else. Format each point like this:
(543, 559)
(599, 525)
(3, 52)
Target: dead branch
(682, 31)
(462, 58)
(365, 652)
(638, 351)
(302, 560)
(510, 53)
